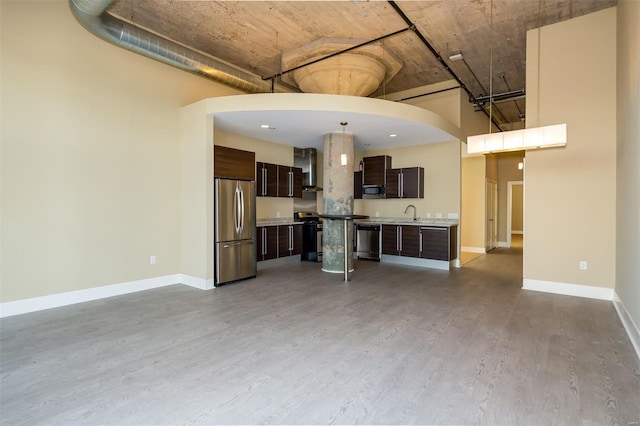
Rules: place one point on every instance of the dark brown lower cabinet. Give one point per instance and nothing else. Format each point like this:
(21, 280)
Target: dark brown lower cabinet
(439, 243)
(289, 240)
(410, 241)
(401, 240)
(267, 242)
(390, 240)
(278, 241)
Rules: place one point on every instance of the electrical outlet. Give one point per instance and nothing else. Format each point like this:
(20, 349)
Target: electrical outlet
(583, 265)
(428, 215)
(152, 260)
(377, 215)
(438, 215)
(278, 215)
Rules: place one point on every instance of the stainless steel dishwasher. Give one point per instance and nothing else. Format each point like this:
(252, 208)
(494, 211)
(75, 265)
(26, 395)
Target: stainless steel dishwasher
(368, 241)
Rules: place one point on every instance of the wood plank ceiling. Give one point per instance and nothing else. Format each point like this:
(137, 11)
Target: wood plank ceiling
(253, 35)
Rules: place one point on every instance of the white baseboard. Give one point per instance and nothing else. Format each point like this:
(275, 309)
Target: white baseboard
(196, 282)
(40, 303)
(474, 250)
(579, 290)
(517, 232)
(503, 244)
(631, 327)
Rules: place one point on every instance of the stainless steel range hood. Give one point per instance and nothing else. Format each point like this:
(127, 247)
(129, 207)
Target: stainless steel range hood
(307, 160)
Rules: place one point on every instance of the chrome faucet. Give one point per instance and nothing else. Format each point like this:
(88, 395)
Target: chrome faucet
(414, 211)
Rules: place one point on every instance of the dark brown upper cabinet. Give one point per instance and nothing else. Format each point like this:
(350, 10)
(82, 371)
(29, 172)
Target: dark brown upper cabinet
(357, 185)
(374, 170)
(405, 183)
(267, 179)
(289, 181)
(233, 163)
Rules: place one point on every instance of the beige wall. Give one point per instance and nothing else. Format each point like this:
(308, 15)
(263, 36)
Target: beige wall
(507, 164)
(438, 99)
(492, 167)
(628, 159)
(570, 192)
(441, 163)
(517, 208)
(472, 219)
(90, 156)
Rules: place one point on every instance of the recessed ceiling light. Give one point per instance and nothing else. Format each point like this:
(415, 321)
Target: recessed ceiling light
(392, 135)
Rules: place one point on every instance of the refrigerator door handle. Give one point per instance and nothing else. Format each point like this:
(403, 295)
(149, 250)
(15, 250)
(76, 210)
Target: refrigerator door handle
(237, 210)
(237, 243)
(241, 192)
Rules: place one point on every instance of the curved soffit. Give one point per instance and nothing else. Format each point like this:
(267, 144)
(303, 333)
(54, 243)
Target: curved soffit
(302, 120)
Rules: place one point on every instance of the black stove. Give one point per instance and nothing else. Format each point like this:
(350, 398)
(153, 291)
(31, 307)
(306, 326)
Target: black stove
(311, 235)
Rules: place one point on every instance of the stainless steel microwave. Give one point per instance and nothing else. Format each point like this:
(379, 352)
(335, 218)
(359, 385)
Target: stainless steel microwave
(373, 191)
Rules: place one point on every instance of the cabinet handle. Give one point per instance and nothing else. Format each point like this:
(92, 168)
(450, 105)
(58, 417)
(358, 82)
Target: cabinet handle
(264, 181)
(264, 241)
(290, 237)
(401, 185)
(420, 239)
(290, 184)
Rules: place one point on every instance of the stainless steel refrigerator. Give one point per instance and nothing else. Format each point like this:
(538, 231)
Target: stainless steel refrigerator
(235, 230)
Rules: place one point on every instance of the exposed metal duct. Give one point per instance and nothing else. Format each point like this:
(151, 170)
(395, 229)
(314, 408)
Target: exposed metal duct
(92, 15)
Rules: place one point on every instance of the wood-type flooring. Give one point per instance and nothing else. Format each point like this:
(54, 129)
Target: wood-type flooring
(396, 345)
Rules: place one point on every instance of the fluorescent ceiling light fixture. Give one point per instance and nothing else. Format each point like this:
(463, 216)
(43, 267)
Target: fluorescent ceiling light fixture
(265, 126)
(392, 135)
(456, 55)
(518, 140)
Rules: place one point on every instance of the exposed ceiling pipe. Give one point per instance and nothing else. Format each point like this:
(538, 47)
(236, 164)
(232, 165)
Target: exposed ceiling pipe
(439, 58)
(500, 97)
(92, 16)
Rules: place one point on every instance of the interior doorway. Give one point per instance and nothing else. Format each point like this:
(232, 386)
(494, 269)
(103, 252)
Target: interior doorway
(515, 213)
(491, 226)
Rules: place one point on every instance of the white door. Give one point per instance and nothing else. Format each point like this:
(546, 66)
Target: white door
(491, 205)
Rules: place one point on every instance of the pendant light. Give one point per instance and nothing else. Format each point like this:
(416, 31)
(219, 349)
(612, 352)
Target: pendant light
(343, 156)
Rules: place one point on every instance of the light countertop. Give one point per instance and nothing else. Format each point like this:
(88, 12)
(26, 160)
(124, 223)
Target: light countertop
(445, 223)
(274, 221)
